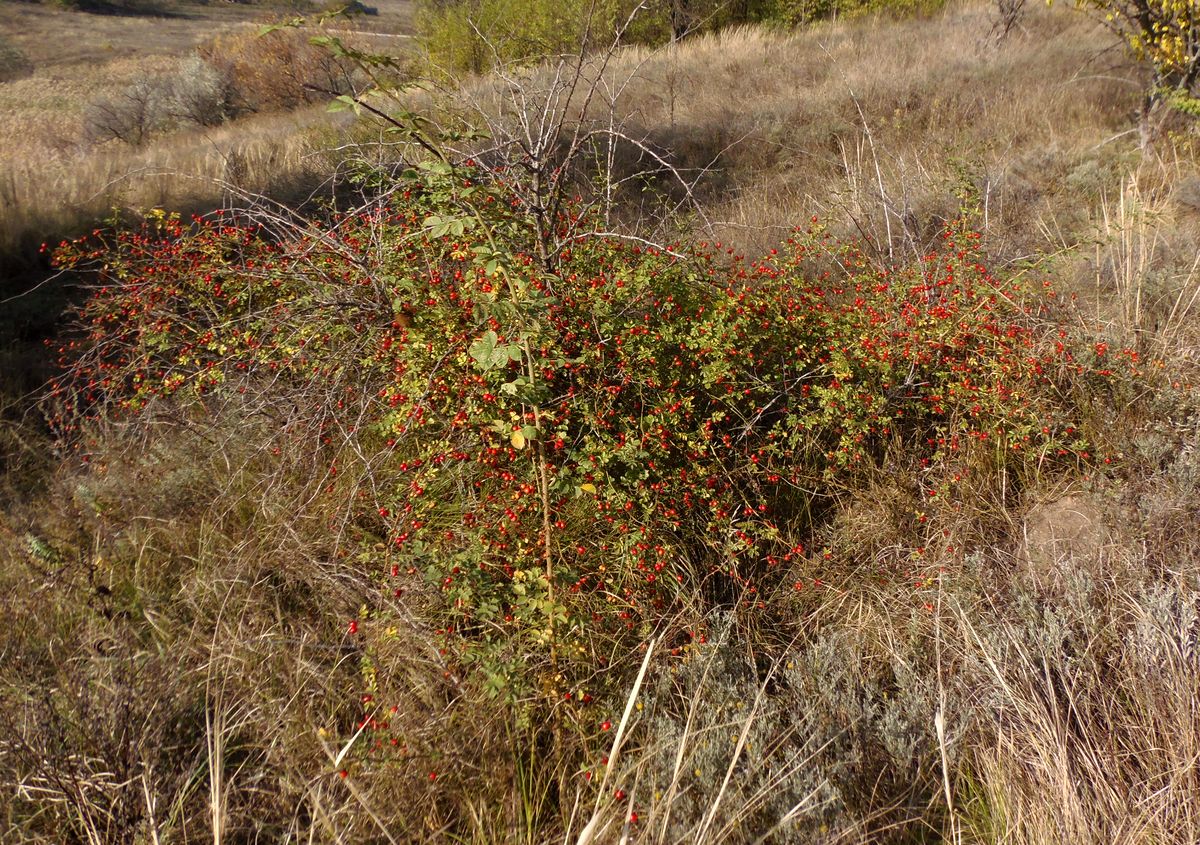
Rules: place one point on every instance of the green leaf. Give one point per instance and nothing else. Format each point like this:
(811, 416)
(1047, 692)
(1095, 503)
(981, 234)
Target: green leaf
(269, 28)
(343, 103)
(483, 350)
(333, 45)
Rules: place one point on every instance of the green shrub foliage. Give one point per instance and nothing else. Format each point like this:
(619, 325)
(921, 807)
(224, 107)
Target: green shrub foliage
(572, 452)
(476, 35)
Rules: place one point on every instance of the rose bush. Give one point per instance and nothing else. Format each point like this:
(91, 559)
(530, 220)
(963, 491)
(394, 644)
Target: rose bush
(571, 457)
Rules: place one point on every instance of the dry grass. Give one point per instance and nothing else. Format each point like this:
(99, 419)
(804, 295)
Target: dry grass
(849, 120)
(54, 181)
(1097, 731)
(1140, 280)
(275, 154)
(999, 715)
(886, 128)
(172, 637)
(186, 629)
(55, 38)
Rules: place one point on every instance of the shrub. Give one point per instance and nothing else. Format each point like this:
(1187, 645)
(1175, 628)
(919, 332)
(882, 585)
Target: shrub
(202, 94)
(800, 12)
(13, 63)
(197, 93)
(1163, 33)
(348, 8)
(130, 116)
(276, 71)
(476, 35)
(570, 456)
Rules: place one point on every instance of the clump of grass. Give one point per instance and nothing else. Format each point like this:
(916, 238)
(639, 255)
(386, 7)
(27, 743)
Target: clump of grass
(13, 63)
(170, 642)
(997, 714)
(1091, 700)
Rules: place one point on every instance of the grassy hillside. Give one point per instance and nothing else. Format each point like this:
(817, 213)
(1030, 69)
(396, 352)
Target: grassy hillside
(60, 171)
(800, 445)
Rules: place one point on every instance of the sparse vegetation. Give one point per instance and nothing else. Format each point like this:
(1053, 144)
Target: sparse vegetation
(629, 448)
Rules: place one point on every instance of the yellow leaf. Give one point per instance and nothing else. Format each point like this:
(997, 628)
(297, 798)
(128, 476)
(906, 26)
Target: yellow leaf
(588, 488)
(517, 440)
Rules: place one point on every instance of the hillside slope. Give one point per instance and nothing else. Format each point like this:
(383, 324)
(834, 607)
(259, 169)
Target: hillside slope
(386, 525)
